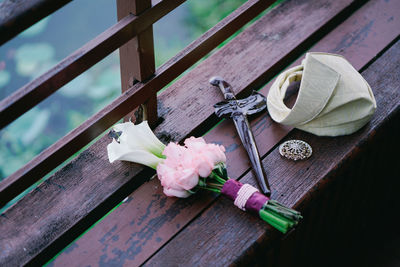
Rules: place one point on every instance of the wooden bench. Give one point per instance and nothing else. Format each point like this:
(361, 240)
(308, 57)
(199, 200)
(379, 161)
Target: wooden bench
(339, 190)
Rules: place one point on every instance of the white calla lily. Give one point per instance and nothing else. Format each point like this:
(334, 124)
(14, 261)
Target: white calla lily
(136, 143)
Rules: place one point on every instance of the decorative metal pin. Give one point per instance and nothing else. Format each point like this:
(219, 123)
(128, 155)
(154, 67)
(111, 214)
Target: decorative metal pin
(295, 150)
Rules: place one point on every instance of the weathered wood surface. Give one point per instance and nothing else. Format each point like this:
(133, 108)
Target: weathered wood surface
(144, 223)
(18, 15)
(94, 126)
(223, 230)
(82, 59)
(89, 204)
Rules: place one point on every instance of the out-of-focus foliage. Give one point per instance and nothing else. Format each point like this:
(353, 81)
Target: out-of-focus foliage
(205, 14)
(36, 29)
(47, 42)
(4, 78)
(33, 59)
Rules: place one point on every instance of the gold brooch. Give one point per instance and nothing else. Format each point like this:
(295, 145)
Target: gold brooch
(295, 150)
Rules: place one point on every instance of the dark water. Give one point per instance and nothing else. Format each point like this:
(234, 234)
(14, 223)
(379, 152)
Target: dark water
(36, 50)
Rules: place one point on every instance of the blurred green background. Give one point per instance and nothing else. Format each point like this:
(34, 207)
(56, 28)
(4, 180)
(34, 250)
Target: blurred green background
(44, 44)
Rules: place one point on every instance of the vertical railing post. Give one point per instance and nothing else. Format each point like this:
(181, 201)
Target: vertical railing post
(137, 58)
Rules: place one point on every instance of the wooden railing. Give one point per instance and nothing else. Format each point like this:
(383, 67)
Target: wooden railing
(149, 228)
(140, 81)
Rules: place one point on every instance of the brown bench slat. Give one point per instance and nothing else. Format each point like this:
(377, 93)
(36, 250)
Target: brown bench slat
(223, 234)
(18, 15)
(82, 59)
(115, 190)
(94, 126)
(134, 228)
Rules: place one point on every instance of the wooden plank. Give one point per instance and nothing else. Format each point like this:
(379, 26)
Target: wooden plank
(75, 187)
(82, 59)
(18, 15)
(238, 237)
(360, 39)
(144, 223)
(94, 126)
(72, 66)
(137, 56)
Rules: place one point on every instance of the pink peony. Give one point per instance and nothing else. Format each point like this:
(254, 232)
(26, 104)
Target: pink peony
(184, 164)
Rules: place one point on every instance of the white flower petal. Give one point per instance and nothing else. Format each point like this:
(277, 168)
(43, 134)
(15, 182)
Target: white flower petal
(130, 136)
(120, 152)
(139, 137)
(149, 139)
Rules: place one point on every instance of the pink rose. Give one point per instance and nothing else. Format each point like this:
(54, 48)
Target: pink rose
(213, 152)
(187, 178)
(183, 165)
(174, 154)
(176, 182)
(207, 155)
(203, 166)
(175, 193)
(197, 144)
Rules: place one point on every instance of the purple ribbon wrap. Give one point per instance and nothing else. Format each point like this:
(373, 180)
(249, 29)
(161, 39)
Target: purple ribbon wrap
(254, 204)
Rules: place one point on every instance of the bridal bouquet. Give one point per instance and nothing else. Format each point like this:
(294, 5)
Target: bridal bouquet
(183, 170)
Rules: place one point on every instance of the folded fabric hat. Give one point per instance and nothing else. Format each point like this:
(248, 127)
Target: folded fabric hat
(333, 98)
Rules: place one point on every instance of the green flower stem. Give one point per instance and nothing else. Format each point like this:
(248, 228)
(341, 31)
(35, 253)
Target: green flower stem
(202, 183)
(282, 219)
(284, 213)
(274, 213)
(275, 222)
(214, 186)
(277, 204)
(212, 183)
(211, 189)
(219, 179)
(291, 215)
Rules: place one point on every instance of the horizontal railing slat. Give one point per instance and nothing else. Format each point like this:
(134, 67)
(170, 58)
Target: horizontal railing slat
(83, 189)
(94, 126)
(18, 15)
(82, 59)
